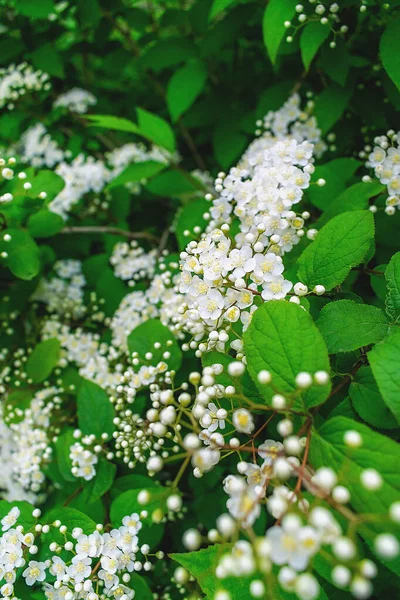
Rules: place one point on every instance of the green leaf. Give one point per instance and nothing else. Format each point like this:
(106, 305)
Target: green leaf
(347, 325)
(275, 15)
(43, 359)
(388, 51)
(283, 339)
(46, 181)
(139, 584)
(167, 53)
(368, 402)
(25, 519)
(101, 482)
(218, 6)
(190, 216)
(63, 445)
(392, 276)
(111, 122)
(88, 12)
(184, 87)
(376, 452)
(336, 62)
(46, 58)
(35, 10)
(228, 143)
(45, 224)
(156, 129)
(173, 183)
(330, 105)
(336, 173)
(22, 254)
(128, 503)
(313, 36)
(353, 198)
(384, 359)
(94, 409)
(143, 338)
(137, 172)
(340, 245)
(71, 518)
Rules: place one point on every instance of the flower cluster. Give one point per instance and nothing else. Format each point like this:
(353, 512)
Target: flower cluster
(76, 100)
(385, 160)
(222, 276)
(64, 293)
(94, 566)
(16, 81)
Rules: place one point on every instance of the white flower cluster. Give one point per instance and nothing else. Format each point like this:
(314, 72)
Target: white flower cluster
(16, 81)
(221, 276)
(385, 160)
(83, 175)
(161, 300)
(131, 262)
(10, 489)
(289, 122)
(32, 438)
(83, 460)
(38, 149)
(63, 294)
(98, 565)
(76, 100)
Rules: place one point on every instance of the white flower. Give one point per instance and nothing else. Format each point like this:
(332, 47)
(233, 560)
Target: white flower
(35, 571)
(10, 519)
(294, 547)
(132, 522)
(243, 420)
(211, 305)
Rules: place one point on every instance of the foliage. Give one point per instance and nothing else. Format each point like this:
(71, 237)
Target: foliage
(200, 273)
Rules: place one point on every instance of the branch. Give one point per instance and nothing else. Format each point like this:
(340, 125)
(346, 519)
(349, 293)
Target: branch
(131, 235)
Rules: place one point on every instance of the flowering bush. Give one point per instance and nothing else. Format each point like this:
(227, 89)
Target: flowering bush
(200, 274)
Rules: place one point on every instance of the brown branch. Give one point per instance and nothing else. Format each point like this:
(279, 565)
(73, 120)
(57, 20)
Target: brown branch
(130, 235)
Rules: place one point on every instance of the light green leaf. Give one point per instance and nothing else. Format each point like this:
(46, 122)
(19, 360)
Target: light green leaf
(340, 245)
(94, 409)
(137, 172)
(330, 105)
(101, 482)
(283, 339)
(43, 359)
(44, 224)
(347, 325)
(156, 129)
(184, 87)
(218, 6)
(22, 254)
(143, 338)
(384, 359)
(202, 566)
(376, 452)
(275, 15)
(313, 36)
(368, 402)
(111, 122)
(392, 276)
(388, 51)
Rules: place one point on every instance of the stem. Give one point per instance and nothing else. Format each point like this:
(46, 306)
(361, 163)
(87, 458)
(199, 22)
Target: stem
(131, 235)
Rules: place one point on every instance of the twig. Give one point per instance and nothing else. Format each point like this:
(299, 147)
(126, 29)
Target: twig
(131, 235)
